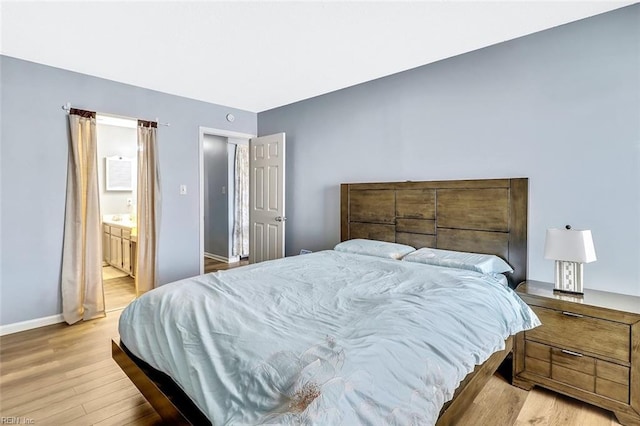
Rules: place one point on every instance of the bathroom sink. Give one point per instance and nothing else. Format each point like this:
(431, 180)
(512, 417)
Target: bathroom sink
(119, 220)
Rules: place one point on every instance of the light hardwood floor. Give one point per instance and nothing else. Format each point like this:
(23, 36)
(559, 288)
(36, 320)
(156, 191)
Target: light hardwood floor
(64, 375)
(500, 404)
(119, 292)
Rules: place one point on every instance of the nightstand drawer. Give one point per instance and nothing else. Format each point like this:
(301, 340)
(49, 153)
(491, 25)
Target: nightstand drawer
(613, 372)
(612, 390)
(574, 361)
(573, 378)
(582, 333)
(612, 381)
(537, 359)
(538, 351)
(578, 370)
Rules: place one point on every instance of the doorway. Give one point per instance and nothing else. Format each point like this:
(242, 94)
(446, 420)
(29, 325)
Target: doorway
(117, 153)
(218, 190)
(217, 151)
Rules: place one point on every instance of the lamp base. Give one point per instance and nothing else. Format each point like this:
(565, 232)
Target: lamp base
(568, 277)
(567, 292)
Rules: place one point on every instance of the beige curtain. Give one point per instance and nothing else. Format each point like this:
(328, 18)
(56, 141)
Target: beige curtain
(241, 202)
(82, 290)
(148, 215)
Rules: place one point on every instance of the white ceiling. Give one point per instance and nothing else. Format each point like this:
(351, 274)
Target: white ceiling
(259, 55)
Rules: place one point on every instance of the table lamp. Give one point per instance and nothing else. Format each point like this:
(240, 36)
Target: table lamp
(570, 248)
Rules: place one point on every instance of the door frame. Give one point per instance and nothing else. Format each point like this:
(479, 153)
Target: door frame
(201, 134)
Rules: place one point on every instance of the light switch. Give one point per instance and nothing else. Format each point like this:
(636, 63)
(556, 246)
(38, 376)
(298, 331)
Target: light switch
(183, 189)
(224, 189)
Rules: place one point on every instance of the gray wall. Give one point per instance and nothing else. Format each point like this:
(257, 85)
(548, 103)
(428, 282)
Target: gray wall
(216, 203)
(122, 142)
(561, 107)
(33, 168)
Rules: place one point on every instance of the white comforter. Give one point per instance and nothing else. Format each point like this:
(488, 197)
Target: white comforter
(326, 338)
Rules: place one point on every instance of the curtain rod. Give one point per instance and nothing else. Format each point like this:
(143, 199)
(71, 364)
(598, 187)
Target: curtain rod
(67, 107)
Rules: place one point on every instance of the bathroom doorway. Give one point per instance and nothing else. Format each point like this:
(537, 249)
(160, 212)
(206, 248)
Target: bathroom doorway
(117, 173)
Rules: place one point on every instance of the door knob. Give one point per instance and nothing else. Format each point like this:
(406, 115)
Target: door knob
(281, 219)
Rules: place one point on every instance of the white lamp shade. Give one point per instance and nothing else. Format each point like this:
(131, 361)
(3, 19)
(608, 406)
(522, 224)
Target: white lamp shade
(570, 245)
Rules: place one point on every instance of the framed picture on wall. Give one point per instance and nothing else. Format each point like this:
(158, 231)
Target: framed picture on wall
(119, 174)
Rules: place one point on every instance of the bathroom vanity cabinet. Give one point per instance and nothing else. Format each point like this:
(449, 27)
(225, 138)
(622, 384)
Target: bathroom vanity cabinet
(119, 246)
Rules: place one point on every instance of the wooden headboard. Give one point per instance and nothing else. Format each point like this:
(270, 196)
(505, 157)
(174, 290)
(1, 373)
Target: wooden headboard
(481, 216)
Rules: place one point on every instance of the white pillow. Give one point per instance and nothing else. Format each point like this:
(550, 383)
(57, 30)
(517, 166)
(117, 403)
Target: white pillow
(483, 263)
(374, 248)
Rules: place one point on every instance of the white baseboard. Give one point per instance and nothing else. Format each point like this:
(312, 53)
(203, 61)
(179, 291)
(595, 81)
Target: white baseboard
(17, 327)
(219, 258)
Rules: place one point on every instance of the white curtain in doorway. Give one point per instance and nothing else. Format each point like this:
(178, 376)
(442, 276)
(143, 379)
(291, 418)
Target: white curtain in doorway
(81, 284)
(148, 215)
(241, 202)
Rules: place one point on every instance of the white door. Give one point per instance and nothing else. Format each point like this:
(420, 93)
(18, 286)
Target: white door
(266, 197)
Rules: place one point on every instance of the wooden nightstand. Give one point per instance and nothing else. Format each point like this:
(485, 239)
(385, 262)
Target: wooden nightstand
(588, 348)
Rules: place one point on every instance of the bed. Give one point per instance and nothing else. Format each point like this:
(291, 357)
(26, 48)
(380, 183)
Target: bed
(333, 348)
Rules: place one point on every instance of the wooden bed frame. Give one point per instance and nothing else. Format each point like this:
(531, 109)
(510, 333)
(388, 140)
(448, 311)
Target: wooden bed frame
(483, 216)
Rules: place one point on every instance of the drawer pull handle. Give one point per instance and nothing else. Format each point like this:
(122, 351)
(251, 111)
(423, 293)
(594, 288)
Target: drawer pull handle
(564, 351)
(571, 314)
